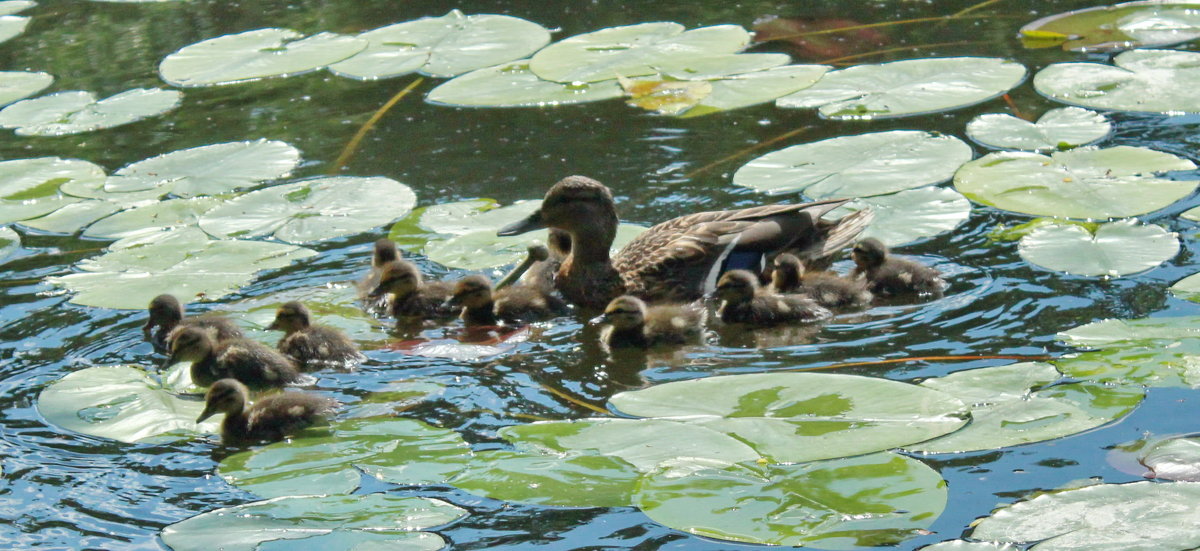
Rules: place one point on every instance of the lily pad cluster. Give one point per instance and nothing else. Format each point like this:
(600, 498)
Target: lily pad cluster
(1117, 27)
(75, 112)
(1062, 128)
(12, 25)
(1146, 81)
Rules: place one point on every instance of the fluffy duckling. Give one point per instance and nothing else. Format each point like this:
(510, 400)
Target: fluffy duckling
(827, 289)
(887, 275)
(512, 304)
(270, 419)
(251, 362)
(534, 254)
(312, 346)
(742, 301)
(632, 324)
(166, 313)
(410, 299)
(385, 252)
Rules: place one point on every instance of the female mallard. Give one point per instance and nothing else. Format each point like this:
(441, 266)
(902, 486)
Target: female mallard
(166, 313)
(678, 260)
(829, 290)
(269, 419)
(251, 362)
(312, 346)
(632, 324)
(887, 275)
(512, 304)
(385, 252)
(742, 301)
(410, 299)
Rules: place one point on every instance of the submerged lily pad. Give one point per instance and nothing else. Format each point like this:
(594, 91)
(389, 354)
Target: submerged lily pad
(331, 523)
(910, 215)
(1061, 128)
(909, 87)
(857, 166)
(514, 85)
(1153, 81)
(15, 85)
(550, 480)
(208, 170)
(253, 55)
(1081, 183)
(9, 242)
(1116, 249)
(74, 112)
(1142, 516)
(1118, 27)
(443, 46)
(1162, 351)
(334, 305)
(311, 210)
(1172, 458)
(31, 187)
(874, 500)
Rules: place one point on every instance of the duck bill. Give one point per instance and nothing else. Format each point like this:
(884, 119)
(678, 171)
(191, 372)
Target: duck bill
(532, 222)
(208, 412)
(170, 361)
(602, 318)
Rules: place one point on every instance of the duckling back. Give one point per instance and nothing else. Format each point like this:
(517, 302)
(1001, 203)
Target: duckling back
(775, 309)
(526, 303)
(788, 275)
(633, 324)
(426, 303)
(278, 415)
(320, 346)
(253, 364)
(888, 275)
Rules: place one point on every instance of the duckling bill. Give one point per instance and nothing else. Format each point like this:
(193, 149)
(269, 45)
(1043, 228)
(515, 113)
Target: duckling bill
(312, 346)
(271, 418)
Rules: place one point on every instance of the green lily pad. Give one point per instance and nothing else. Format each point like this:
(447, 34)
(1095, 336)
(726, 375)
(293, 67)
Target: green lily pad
(910, 215)
(15, 85)
(909, 87)
(334, 305)
(9, 242)
(332, 523)
(857, 166)
(395, 398)
(737, 90)
(1112, 333)
(514, 85)
(1187, 288)
(1141, 516)
(123, 403)
(1150, 362)
(1152, 81)
(550, 480)
(1020, 403)
(72, 217)
(1061, 128)
(327, 460)
(29, 188)
(1081, 183)
(12, 26)
(874, 500)
(153, 218)
(1171, 458)
(444, 46)
(462, 217)
(10, 7)
(960, 545)
(208, 170)
(75, 112)
(1119, 27)
(1116, 249)
(254, 55)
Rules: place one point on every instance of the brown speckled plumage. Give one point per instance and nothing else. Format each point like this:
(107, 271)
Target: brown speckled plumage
(743, 301)
(633, 324)
(269, 419)
(250, 362)
(512, 304)
(312, 346)
(385, 251)
(166, 314)
(888, 275)
(830, 290)
(410, 299)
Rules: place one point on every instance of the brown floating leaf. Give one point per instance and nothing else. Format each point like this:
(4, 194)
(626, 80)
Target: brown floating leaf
(668, 97)
(797, 32)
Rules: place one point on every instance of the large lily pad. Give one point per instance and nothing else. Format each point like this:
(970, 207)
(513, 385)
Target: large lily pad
(732, 89)
(74, 112)
(15, 85)
(1113, 333)
(1081, 183)
(208, 170)
(960, 545)
(443, 46)
(253, 55)
(514, 85)
(333, 523)
(30, 187)
(1119, 27)
(1116, 249)
(1154, 81)
(153, 218)
(555, 480)
(857, 166)
(910, 215)
(874, 500)
(12, 26)
(1061, 128)
(909, 87)
(1150, 362)
(311, 210)
(72, 217)
(483, 249)
(1142, 516)
(9, 7)
(1020, 403)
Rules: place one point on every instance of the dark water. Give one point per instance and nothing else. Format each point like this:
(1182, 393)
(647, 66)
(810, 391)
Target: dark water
(66, 491)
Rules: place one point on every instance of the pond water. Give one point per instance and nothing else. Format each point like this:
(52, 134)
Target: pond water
(62, 490)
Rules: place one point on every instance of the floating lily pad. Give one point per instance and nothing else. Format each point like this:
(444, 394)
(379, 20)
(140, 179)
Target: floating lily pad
(72, 217)
(1171, 458)
(483, 249)
(12, 26)
(152, 218)
(1153, 81)
(1116, 332)
(30, 187)
(669, 97)
(1142, 516)
(910, 215)
(332, 523)
(253, 55)
(208, 170)
(514, 85)
(122, 403)
(74, 112)
(960, 545)
(334, 305)
(1061, 128)
(554, 480)
(909, 87)
(443, 46)
(10, 7)
(1188, 288)
(874, 500)
(735, 91)
(15, 85)
(1119, 27)
(1081, 183)
(1157, 362)
(9, 242)
(1116, 249)
(1020, 403)
(327, 460)
(857, 166)
(461, 217)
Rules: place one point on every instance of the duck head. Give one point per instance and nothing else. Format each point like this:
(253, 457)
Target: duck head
(291, 317)
(188, 344)
(574, 204)
(737, 286)
(472, 292)
(224, 396)
(625, 312)
(165, 311)
(397, 278)
(869, 253)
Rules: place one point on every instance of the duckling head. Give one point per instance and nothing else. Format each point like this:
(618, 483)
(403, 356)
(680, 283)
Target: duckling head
(397, 278)
(188, 344)
(625, 312)
(224, 396)
(538, 252)
(473, 291)
(291, 317)
(869, 253)
(385, 251)
(787, 271)
(165, 311)
(737, 286)
(575, 203)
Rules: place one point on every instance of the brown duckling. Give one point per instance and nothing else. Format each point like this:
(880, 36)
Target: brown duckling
(512, 304)
(312, 346)
(535, 255)
(632, 324)
(828, 289)
(887, 275)
(385, 252)
(166, 313)
(270, 419)
(742, 301)
(251, 362)
(411, 299)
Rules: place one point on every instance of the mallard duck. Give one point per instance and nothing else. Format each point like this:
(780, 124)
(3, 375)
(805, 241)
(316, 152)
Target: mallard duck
(385, 252)
(410, 299)
(312, 346)
(888, 275)
(828, 289)
(633, 324)
(166, 313)
(512, 304)
(743, 301)
(269, 419)
(678, 260)
(251, 362)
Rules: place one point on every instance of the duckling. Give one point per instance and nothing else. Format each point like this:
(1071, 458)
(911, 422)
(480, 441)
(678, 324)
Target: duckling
(385, 252)
(312, 346)
(827, 289)
(541, 274)
(270, 419)
(887, 275)
(251, 362)
(512, 304)
(742, 301)
(534, 254)
(166, 313)
(632, 324)
(412, 300)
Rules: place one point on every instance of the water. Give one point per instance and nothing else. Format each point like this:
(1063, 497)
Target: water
(67, 491)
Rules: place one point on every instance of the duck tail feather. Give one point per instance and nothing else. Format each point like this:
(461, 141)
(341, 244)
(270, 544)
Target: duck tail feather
(845, 231)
